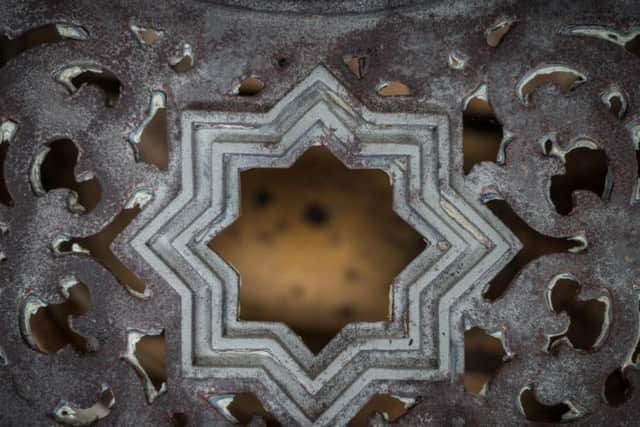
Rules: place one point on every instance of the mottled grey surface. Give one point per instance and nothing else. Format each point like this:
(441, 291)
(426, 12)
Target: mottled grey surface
(408, 41)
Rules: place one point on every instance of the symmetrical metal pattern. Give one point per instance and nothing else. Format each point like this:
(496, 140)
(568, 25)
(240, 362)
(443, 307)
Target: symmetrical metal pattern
(189, 56)
(414, 150)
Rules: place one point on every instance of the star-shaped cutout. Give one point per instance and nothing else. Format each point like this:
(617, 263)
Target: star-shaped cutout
(467, 245)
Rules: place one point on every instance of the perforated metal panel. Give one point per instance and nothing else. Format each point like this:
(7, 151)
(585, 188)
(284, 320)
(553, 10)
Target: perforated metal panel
(383, 85)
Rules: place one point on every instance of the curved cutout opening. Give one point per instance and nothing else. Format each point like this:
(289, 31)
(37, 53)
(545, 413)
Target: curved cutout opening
(498, 30)
(246, 406)
(585, 169)
(57, 170)
(356, 64)
(394, 88)
(5, 195)
(617, 388)
(74, 415)
(539, 412)
(249, 86)
(565, 78)
(101, 78)
(482, 133)
(587, 317)
(149, 140)
(391, 407)
(50, 327)
(534, 245)
(630, 41)
(151, 354)
(484, 355)
(98, 247)
(146, 36)
(180, 419)
(241, 408)
(146, 352)
(185, 61)
(51, 33)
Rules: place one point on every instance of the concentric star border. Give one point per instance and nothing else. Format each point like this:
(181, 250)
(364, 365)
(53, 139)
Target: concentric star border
(466, 247)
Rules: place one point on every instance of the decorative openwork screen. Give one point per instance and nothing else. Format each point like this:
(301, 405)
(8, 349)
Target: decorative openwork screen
(327, 213)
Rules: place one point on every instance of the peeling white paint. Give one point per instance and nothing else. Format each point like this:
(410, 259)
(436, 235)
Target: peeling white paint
(66, 284)
(75, 247)
(221, 403)
(612, 92)
(239, 83)
(580, 78)
(73, 415)
(507, 137)
(604, 329)
(34, 172)
(140, 199)
(573, 413)
(66, 75)
(402, 89)
(186, 55)
(457, 60)
(8, 131)
(582, 242)
(502, 24)
(408, 402)
(73, 32)
(30, 306)
(140, 33)
(157, 101)
(561, 153)
(480, 92)
(629, 360)
(601, 32)
(133, 337)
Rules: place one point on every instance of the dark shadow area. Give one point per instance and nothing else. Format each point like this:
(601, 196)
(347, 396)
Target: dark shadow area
(5, 196)
(58, 171)
(481, 133)
(535, 245)
(104, 80)
(587, 317)
(586, 169)
(153, 141)
(617, 388)
(151, 353)
(484, 355)
(10, 48)
(539, 412)
(179, 419)
(386, 404)
(99, 244)
(246, 406)
(50, 327)
(633, 45)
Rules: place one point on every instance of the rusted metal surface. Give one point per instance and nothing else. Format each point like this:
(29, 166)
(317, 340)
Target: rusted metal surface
(440, 53)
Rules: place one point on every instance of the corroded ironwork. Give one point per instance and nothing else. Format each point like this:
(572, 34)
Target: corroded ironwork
(383, 85)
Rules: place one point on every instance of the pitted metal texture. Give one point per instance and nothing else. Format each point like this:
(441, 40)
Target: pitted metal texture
(187, 59)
